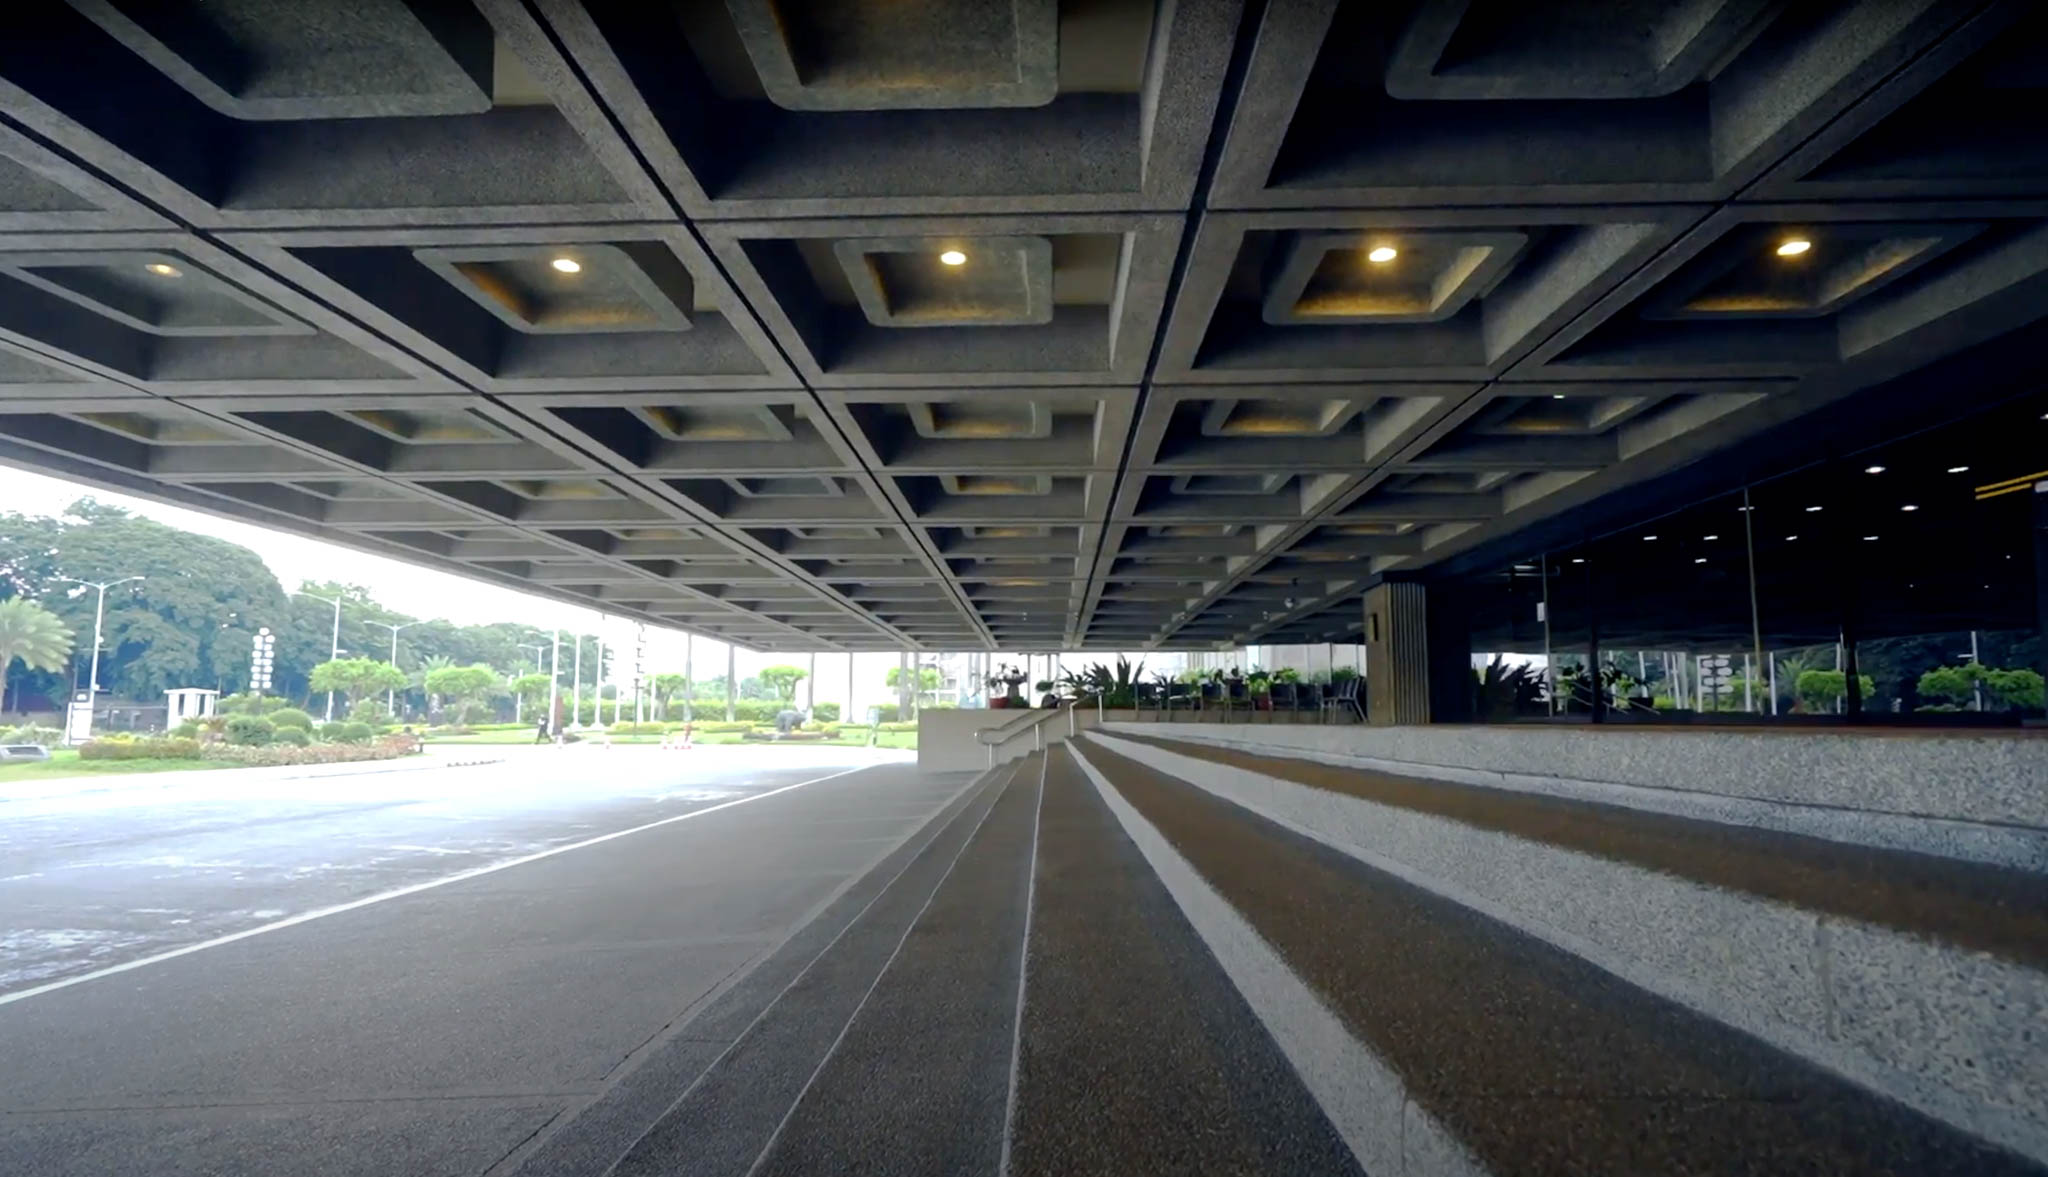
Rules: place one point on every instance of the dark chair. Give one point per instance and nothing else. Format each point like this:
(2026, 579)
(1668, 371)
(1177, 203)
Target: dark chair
(1308, 697)
(1210, 698)
(1344, 701)
(1237, 696)
(1180, 695)
(1147, 696)
(1283, 700)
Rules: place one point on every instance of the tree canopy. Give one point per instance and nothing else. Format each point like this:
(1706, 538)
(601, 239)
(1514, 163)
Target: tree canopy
(190, 622)
(783, 679)
(357, 678)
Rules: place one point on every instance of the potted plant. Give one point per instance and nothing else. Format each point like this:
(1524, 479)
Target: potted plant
(1259, 689)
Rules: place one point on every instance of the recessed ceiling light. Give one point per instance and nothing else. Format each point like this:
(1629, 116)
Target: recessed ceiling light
(1557, 396)
(1710, 537)
(1811, 510)
(1649, 537)
(567, 265)
(1699, 559)
(1794, 246)
(1873, 469)
(1382, 253)
(1790, 538)
(1909, 507)
(1868, 538)
(164, 270)
(1958, 469)
(953, 257)
(1578, 559)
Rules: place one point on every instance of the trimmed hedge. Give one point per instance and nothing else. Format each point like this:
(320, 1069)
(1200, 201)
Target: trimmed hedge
(31, 733)
(297, 737)
(117, 748)
(285, 717)
(825, 712)
(249, 731)
(277, 755)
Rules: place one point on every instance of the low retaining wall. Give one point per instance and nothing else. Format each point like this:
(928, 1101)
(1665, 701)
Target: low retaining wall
(1977, 796)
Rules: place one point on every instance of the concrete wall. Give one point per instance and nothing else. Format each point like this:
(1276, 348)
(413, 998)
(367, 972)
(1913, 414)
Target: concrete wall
(946, 743)
(1979, 796)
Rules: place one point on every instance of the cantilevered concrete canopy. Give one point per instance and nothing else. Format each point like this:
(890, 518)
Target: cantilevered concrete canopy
(1103, 324)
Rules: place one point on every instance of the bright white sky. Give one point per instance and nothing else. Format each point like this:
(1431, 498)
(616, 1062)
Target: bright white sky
(426, 593)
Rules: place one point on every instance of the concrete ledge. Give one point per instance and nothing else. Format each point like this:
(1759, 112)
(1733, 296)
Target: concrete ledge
(1924, 1023)
(1973, 797)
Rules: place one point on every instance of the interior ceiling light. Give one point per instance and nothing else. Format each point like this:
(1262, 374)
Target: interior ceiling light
(1868, 538)
(1790, 538)
(1811, 510)
(1909, 507)
(1793, 247)
(1710, 537)
(1382, 253)
(1557, 396)
(1578, 559)
(567, 265)
(163, 270)
(1649, 537)
(953, 257)
(1699, 559)
(1873, 469)
(1958, 469)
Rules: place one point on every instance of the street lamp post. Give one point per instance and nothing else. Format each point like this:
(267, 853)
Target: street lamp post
(334, 641)
(576, 688)
(99, 617)
(519, 700)
(389, 710)
(554, 681)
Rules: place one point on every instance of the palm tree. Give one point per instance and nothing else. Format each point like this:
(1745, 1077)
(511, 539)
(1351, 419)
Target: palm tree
(429, 665)
(33, 634)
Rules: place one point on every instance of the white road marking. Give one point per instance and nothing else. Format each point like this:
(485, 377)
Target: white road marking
(401, 892)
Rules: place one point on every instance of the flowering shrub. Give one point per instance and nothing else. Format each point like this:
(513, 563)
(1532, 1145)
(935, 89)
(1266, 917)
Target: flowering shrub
(275, 755)
(122, 748)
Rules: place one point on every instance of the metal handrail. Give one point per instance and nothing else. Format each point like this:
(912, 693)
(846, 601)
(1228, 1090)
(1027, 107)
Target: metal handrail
(1034, 720)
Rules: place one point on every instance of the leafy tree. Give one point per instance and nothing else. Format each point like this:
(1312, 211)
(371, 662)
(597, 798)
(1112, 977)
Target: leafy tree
(466, 685)
(1823, 690)
(2021, 689)
(34, 635)
(664, 687)
(783, 680)
(530, 688)
(357, 678)
(1951, 684)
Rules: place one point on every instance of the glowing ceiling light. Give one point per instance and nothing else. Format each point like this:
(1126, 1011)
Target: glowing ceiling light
(1794, 247)
(953, 257)
(164, 270)
(1699, 559)
(567, 265)
(1811, 510)
(1873, 469)
(1649, 537)
(1710, 537)
(1382, 253)
(1958, 469)
(1909, 507)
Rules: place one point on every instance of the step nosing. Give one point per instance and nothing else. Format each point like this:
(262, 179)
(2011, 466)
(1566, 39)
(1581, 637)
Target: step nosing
(1999, 910)
(1484, 1023)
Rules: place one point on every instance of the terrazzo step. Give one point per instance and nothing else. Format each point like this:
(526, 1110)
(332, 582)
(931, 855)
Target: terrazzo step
(711, 1102)
(1135, 1052)
(918, 1085)
(1446, 1029)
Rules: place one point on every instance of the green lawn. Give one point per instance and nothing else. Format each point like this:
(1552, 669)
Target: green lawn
(65, 762)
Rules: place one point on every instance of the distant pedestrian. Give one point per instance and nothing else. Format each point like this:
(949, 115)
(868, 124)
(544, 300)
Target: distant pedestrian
(540, 732)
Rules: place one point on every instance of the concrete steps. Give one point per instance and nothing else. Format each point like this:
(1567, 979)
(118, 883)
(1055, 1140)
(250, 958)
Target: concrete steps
(1136, 1054)
(1471, 980)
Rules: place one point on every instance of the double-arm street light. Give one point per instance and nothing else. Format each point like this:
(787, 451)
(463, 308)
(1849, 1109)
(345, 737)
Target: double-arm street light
(389, 710)
(334, 643)
(99, 616)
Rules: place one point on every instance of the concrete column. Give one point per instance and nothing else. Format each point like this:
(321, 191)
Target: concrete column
(2041, 573)
(1396, 655)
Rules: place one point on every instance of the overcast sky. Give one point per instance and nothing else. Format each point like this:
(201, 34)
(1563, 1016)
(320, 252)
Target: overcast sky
(426, 593)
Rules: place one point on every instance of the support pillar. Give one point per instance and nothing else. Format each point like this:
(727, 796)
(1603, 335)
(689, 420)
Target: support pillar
(1397, 661)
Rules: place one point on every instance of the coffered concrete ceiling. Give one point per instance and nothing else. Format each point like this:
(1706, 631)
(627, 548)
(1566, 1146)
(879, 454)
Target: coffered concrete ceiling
(1101, 323)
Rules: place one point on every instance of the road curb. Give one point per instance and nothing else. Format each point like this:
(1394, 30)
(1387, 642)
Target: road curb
(140, 782)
